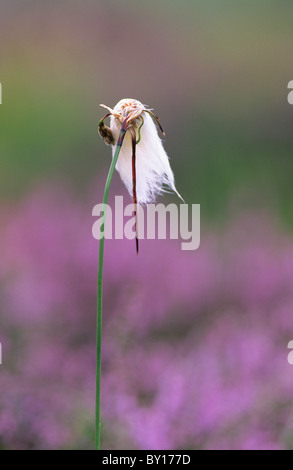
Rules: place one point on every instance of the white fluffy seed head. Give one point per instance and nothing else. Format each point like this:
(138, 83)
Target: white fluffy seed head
(153, 172)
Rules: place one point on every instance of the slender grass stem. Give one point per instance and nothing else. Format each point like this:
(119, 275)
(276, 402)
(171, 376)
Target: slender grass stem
(100, 290)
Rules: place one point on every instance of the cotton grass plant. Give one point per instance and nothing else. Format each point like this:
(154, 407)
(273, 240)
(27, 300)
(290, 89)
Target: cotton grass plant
(139, 157)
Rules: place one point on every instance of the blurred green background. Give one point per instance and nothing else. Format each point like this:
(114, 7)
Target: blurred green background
(216, 72)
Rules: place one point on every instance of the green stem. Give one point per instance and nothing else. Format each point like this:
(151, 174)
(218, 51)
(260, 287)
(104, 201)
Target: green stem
(100, 289)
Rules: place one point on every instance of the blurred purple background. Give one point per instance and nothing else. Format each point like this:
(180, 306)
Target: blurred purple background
(194, 343)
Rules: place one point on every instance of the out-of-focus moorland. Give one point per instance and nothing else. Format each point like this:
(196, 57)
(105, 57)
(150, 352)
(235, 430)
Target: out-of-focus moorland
(195, 343)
